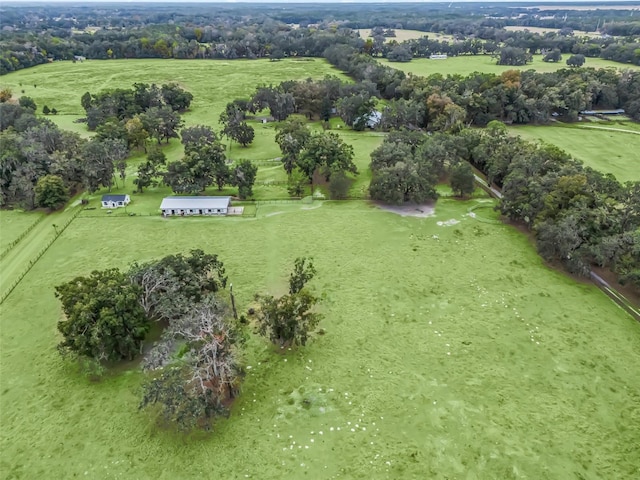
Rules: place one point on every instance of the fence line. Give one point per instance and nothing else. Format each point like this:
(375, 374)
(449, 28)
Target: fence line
(268, 162)
(271, 183)
(22, 235)
(33, 261)
(615, 295)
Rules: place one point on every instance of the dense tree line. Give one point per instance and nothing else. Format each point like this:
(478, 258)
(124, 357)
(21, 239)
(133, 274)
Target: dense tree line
(513, 96)
(503, 43)
(426, 17)
(42, 165)
(218, 33)
(579, 216)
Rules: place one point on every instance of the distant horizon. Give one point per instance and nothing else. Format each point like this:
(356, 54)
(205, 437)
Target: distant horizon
(545, 3)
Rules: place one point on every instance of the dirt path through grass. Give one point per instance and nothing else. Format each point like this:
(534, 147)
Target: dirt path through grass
(17, 260)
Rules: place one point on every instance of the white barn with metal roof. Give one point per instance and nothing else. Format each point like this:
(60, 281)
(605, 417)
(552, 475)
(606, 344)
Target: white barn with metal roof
(195, 206)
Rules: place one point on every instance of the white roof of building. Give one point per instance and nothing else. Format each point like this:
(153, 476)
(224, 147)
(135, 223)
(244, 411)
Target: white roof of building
(184, 203)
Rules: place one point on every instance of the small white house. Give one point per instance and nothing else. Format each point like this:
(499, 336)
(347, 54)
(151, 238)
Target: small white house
(374, 119)
(195, 206)
(115, 201)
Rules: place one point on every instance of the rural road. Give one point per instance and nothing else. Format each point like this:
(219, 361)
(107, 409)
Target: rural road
(483, 183)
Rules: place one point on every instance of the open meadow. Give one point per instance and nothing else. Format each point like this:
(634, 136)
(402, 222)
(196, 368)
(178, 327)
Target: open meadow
(450, 351)
(213, 83)
(542, 31)
(611, 148)
(404, 34)
(467, 64)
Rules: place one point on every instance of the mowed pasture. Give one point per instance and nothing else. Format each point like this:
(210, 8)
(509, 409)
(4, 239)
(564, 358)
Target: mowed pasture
(13, 225)
(543, 30)
(450, 350)
(468, 64)
(213, 83)
(608, 148)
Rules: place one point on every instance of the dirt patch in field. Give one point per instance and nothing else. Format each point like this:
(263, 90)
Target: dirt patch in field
(410, 210)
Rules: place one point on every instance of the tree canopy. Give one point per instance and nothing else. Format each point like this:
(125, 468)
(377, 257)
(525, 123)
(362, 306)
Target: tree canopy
(289, 319)
(104, 320)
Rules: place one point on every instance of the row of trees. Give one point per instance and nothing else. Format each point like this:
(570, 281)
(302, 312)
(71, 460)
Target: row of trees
(232, 37)
(41, 165)
(194, 370)
(513, 96)
(510, 46)
(580, 217)
(437, 102)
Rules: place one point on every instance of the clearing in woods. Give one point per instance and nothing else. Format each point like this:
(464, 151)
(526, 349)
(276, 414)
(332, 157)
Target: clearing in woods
(403, 34)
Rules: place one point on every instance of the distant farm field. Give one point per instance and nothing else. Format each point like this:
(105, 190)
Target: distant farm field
(467, 64)
(608, 149)
(542, 31)
(213, 83)
(592, 6)
(403, 35)
(450, 350)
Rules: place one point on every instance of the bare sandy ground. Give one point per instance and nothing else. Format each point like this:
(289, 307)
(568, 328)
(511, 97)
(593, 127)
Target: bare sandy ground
(410, 210)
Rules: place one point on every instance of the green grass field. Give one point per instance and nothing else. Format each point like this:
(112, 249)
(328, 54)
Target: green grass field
(465, 65)
(13, 224)
(213, 83)
(404, 34)
(598, 145)
(542, 31)
(450, 352)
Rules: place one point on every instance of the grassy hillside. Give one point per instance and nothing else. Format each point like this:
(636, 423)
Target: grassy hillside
(465, 65)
